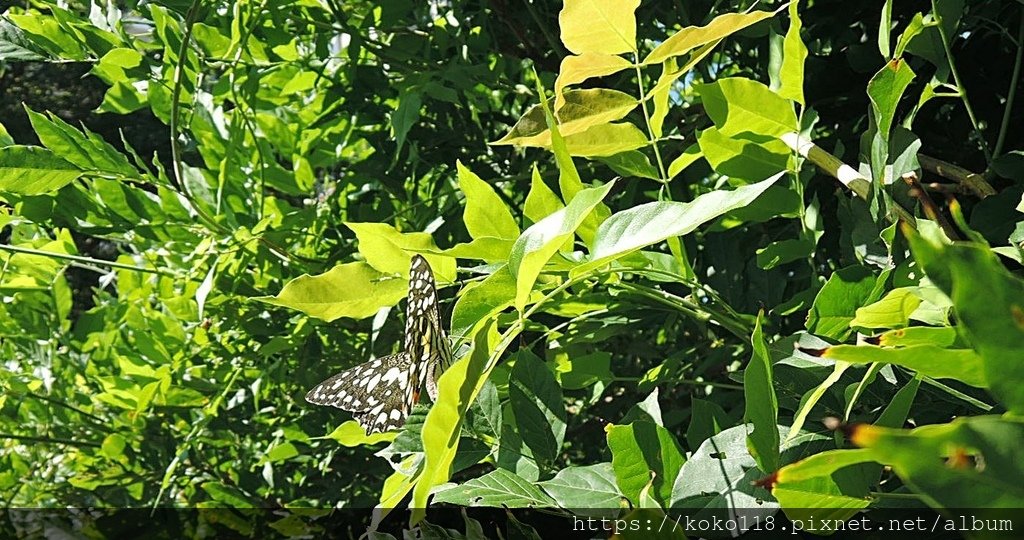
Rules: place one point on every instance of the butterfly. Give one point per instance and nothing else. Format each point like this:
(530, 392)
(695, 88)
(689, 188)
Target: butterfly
(380, 393)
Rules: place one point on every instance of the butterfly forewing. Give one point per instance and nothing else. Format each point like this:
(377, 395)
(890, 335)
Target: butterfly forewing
(380, 393)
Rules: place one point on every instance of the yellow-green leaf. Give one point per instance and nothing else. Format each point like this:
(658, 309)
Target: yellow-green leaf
(599, 26)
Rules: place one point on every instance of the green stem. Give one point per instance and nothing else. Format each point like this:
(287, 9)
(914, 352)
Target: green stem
(80, 259)
(960, 87)
(48, 440)
(1011, 94)
(662, 173)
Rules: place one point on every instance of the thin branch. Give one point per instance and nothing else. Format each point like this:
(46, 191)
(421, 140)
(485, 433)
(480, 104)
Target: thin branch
(972, 181)
(928, 205)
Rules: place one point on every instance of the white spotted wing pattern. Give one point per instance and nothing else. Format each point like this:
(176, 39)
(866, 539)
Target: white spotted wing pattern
(380, 393)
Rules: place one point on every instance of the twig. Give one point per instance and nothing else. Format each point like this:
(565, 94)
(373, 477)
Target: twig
(973, 181)
(928, 205)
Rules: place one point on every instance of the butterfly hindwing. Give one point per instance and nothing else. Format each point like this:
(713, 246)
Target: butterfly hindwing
(380, 393)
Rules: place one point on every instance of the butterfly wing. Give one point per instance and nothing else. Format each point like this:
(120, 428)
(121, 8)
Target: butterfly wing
(426, 341)
(378, 392)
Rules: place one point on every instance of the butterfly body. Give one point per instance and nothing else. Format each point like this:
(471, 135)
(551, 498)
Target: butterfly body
(380, 393)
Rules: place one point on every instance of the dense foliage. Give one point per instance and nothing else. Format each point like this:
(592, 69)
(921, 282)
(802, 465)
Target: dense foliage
(670, 239)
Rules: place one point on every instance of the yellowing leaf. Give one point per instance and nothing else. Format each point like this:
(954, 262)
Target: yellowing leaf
(692, 37)
(578, 68)
(353, 290)
(599, 26)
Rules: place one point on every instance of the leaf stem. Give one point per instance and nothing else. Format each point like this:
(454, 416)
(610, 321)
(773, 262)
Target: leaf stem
(1011, 94)
(86, 260)
(959, 85)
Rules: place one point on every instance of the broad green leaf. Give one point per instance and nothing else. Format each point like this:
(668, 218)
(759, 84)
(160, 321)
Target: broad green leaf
(824, 486)
(406, 114)
(784, 251)
(605, 140)
(692, 37)
(885, 90)
(541, 201)
(86, 150)
(457, 389)
(762, 407)
(971, 462)
(744, 157)
(229, 496)
(737, 105)
(480, 301)
(486, 214)
(485, 248)
(351, 434)
(707, 419)
(30, 170)
(640, 450)
(687, 158)
(961, 364)
(580, 111)
(497, 488)
(660, 97)
(989, 305)
(794, 53)
(811, 398)
(538, 243)
(599, 26)
(589, 487)
(16, 47)
(352, 290)
(580, 371)
(631, 163)
(718, 480)
(389, 251)
(837, 302)
(113, 65)
(919, 335)
(538, 408)
(648, 224)
(578, 68)
(46, 33)
(892, 311)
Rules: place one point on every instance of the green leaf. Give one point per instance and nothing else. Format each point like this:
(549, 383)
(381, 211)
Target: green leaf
(578, 68)
(835, 306)
(744, 157)
(15, 47)
(794, 53)
(599, 26)
(590, 487)
(86, 150)
(113, 446)
(389, 251)
(631, 163)
(707, 419)
(691, 37)
(737, 105)
(541, 201)
(648, 224)
(230, 496)
(892, 311)
(885, 90)
(537, 244)
(687, 158)
(971, 462)
(351, 434)
(718, 477)
(762, 407)
(30, 170)
(478, 302)
(580, 110)
(989, 304)
(537, 406)
(405, 116)
(496, 488)
(639, 450)
(919, 335)
(605, 140)
(486, 215)
(961, 364)
(352, 290)
(457, 389)
(784, 251)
